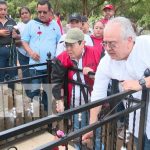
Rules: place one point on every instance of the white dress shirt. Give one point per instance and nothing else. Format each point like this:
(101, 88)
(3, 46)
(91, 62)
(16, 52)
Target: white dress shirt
(131, 69)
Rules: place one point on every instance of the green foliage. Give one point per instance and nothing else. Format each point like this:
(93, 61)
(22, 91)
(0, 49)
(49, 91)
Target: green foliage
(93, 19)
(32, 7)
(137, 10)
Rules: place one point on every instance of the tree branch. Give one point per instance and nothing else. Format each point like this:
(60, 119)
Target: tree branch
(95, 6)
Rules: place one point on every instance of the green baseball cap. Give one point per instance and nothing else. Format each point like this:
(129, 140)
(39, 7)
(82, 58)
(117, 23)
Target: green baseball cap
(74, 35)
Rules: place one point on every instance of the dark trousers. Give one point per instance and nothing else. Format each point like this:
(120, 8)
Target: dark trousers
(36, 85)
(23, 60)
(5, 62)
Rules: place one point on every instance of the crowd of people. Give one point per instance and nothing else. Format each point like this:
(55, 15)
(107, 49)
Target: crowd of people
(111, 50)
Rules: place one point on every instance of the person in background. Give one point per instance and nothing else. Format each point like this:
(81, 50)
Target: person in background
(108, 13)
(85, 26)
(8, 35)
(97, 36)
(23, 57)
(40, 37)
(74, 22)
(58, 20)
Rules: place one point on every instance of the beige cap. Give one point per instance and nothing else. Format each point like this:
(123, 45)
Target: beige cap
(74, 35)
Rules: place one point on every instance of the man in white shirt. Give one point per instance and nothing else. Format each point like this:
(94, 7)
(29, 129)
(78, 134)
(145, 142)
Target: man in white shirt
(126, 60)
(74, 22)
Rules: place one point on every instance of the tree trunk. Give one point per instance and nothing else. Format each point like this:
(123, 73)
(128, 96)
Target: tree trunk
(85, 11)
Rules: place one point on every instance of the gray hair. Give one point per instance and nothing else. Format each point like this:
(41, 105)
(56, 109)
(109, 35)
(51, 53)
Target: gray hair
(126, 26)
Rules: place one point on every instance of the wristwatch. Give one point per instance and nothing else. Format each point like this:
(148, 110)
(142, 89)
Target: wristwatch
(142, 82)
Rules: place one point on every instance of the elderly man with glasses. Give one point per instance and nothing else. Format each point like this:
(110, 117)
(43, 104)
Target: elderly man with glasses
(40, 37)
(126, 60)
(81, 56)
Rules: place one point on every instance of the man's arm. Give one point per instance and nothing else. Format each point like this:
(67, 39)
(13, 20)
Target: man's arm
(57, 78)
(93, 118)
(99, 91)
(134, 84)
(32, 54)
(4, 32)
(58, 75)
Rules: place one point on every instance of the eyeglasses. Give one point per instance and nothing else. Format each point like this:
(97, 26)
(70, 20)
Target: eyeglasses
(44, 12)
(110, 44)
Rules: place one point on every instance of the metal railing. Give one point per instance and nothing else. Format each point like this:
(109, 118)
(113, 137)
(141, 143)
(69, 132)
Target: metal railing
(12, 99)
(70, 136)
(108, 122)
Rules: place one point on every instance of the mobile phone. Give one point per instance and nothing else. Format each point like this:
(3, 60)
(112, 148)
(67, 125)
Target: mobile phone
(9, 27)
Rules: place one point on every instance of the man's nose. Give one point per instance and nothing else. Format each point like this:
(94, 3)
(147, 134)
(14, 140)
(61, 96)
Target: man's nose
(3, 11)
(107, 47)
(68, 48)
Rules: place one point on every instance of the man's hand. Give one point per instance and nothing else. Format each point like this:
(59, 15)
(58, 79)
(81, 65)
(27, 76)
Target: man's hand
(86, 70)
(93, 118)
(60, 106)
(34, 56)
(86, 137)
(131, 85)
(15, 35)
(4, 32)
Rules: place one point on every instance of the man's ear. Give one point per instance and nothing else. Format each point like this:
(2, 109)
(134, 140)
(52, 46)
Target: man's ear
(130, 39)
(130, 42)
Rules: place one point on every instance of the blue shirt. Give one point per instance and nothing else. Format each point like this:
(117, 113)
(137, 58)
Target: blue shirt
(41, 39)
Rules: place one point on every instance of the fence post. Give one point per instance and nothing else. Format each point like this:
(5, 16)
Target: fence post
(49, 69)
(112, 130)
(143, 119)
(49, 88)
(49, 92)
(66, 94)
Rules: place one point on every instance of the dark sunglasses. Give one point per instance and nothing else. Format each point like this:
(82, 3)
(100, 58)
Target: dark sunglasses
(44, 12)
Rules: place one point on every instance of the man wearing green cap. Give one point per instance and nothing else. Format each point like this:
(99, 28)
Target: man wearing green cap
(84, 57)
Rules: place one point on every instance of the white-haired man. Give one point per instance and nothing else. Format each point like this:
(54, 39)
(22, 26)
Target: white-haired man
(126, 60)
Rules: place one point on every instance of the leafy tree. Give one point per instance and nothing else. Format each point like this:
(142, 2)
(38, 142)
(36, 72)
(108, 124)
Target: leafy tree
(137, 10)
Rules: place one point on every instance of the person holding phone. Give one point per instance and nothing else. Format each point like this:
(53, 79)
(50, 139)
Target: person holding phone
(7, 34)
